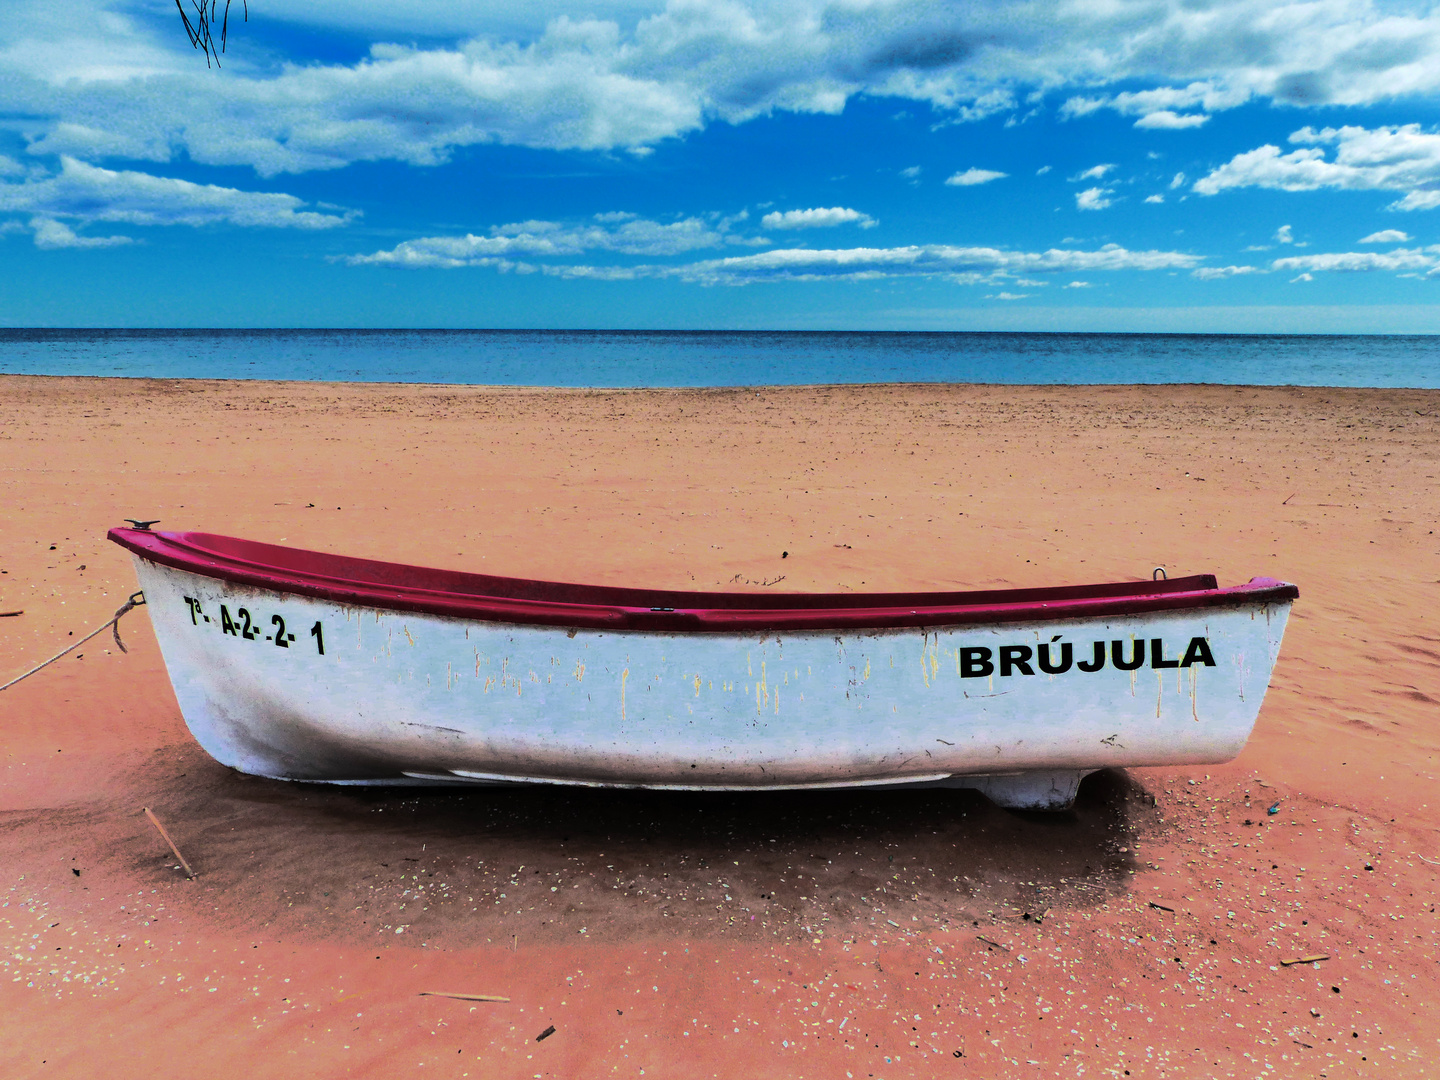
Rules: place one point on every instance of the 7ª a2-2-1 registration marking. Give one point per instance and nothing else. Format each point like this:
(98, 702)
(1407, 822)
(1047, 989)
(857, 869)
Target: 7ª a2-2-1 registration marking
(252, 628)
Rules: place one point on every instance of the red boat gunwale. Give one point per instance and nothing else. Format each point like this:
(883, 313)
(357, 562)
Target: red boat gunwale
(398, 587)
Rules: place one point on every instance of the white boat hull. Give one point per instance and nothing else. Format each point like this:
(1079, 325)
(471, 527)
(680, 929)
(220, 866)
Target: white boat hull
(400, 697)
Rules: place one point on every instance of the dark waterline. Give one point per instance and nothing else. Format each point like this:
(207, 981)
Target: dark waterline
(638, 358)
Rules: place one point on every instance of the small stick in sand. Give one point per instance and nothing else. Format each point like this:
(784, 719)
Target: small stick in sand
(462, 997)
(10, 614)
(156, 822)
(1162, 907)
(996, 944)
(1305, 959)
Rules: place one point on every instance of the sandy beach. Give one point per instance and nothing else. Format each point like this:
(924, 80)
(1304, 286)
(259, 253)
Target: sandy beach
(866, 935)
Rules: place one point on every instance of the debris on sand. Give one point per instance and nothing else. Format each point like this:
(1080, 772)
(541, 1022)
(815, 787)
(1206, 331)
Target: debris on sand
(463, 997)
(156, 822)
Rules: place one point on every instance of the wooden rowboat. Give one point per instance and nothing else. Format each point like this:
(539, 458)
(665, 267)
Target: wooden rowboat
(299, 665)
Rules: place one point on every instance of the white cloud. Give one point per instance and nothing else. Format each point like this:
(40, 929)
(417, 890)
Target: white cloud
(1155, 198)
(1386, 236)
(506, 249)
(115, 77)
(1157, 107)
(1355, 261)
(51, 234)
(453, 19)
(1095, 198)
(1165, 120)
(1302, 277)
(1401, 158)
(818, 218)
(912, 173)
(1042, 170)
(445, 252)
(548, 239)
(969, 264)
(1076, 107)
(1418, 200)
(88, 193)
(971, 177)
(1283, 235)
(90, 41)
(1216, 273)
(577, 87)
(1177, 181)
(1006, 296)
(1077, 285)
(1095, 172)
(84, 193)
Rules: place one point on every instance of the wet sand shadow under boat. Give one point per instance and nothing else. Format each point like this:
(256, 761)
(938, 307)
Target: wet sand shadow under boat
(456, 868)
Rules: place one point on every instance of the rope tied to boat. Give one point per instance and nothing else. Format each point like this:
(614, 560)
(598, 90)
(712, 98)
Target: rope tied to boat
(136, 600)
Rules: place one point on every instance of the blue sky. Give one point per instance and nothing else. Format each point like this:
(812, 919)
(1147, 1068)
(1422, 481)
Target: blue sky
(1222, 166)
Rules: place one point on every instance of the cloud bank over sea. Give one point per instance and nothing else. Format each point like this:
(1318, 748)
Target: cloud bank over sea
(968, 146)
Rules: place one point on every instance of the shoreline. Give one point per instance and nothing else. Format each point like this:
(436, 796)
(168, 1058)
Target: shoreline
(197, 330)
(500, 388)
(753, 358)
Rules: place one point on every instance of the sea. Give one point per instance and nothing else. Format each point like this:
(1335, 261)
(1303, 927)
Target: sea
(639, 358)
